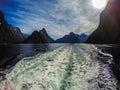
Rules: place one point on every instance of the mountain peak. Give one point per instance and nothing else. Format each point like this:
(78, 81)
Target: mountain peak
(70, 38)
(2, 19)
(39, 37)
(35, 32)
(43, 31)
(71, 33)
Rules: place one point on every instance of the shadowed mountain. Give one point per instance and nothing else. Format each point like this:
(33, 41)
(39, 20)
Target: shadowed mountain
(8, 33)
(108, 31)
(83, 37)
(39, 37)
(72, 38)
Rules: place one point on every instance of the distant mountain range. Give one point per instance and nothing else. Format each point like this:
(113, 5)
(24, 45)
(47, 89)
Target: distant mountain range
(72, 38)
(11, 34)
(108, 31)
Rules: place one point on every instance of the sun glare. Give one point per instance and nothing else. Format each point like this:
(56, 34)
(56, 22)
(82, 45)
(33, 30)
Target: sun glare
(99, 3)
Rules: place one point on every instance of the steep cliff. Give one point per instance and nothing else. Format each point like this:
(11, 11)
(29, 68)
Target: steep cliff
(8, 33)
(108, 31)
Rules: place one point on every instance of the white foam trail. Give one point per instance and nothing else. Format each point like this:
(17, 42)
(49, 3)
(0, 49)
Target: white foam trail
(67, 68)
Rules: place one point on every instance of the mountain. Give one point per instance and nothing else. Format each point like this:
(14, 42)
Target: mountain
(39, 37)
(71, 38)
(9, 33)
(108, 31)
(83, 37)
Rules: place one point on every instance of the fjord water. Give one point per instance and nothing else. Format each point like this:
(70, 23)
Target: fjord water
(13, 53)
(66, 67)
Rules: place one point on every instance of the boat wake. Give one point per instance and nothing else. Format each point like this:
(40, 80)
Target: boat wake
(69, 67)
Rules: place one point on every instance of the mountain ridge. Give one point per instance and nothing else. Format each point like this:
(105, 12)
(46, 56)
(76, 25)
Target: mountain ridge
(72, 38)
(39, 37)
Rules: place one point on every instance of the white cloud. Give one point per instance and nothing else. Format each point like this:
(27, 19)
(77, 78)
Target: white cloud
(58, 18)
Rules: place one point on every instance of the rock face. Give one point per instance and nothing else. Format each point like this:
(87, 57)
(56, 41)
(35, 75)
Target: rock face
(71, 38)
(108, 31)
(8, 33)
(39, 37)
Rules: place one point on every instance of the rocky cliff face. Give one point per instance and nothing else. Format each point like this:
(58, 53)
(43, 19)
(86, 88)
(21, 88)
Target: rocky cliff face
(108, 31)
(8, 33)
(39, 37)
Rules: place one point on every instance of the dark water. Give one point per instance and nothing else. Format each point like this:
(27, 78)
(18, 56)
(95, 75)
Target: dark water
(114, 50)
(95, 65)
(11, 54)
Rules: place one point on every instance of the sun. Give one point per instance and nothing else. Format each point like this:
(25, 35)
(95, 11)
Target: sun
(99, 3)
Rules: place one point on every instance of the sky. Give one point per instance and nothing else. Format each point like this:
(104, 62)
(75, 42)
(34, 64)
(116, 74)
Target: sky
(58, 17)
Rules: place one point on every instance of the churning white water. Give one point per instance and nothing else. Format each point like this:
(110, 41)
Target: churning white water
(69, 67)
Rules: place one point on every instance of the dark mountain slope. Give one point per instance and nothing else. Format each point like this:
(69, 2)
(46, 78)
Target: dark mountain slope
(39, 37)
(108, 31)
(8, 33)
(71, 38)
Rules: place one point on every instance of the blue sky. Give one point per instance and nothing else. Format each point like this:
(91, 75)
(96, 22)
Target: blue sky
(59, 17)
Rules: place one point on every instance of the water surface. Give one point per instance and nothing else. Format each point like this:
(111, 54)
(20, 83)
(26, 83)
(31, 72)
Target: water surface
(67, 67)
(13, 53)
